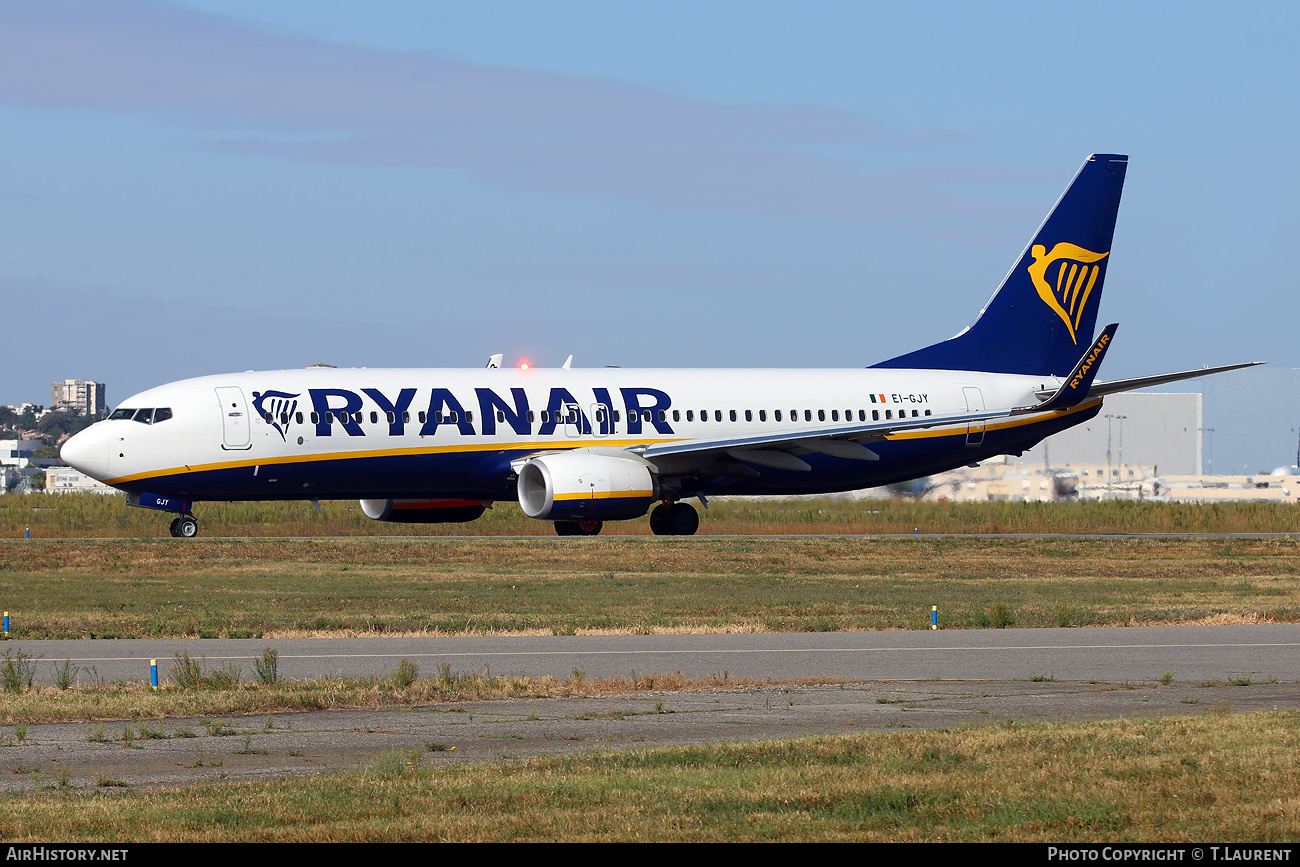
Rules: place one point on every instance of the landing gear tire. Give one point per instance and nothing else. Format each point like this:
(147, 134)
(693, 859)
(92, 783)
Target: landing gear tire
(659, 519)
(185, 527)
(683, 520)
(674, 519)
(578, 528)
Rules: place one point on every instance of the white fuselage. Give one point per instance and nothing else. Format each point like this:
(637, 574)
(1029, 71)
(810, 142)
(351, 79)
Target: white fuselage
(325, 432)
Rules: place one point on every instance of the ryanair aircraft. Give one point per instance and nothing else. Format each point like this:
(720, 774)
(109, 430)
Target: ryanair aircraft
(580, 447)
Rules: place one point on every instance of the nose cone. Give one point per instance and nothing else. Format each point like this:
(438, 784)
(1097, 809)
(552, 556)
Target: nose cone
(87, 451)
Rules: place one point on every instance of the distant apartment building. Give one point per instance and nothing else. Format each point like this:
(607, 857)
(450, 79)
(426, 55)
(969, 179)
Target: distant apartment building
(86, 398)
(17, 452)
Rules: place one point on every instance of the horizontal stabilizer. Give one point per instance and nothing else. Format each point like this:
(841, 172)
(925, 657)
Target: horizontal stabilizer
(1101, 389)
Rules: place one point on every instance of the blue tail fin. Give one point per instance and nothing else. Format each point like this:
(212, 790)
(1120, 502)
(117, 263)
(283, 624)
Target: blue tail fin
(1044, 313)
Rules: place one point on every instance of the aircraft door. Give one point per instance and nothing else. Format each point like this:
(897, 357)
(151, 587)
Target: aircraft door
(974, 403)
(236, 430)
(572, 420)
(601, 420)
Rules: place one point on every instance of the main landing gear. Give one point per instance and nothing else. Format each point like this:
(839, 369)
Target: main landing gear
(666, 519)
(674, 519)
(578, 528)
(185, 527)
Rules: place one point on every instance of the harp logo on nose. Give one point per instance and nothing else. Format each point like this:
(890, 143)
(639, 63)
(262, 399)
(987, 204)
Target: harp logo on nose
(1064, 279)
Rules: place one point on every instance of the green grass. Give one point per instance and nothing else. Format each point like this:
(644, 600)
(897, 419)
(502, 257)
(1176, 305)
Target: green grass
(95, 516)
(269, 588)
(1190, 779)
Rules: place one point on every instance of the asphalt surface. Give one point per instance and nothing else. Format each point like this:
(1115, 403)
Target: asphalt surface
(882, 681)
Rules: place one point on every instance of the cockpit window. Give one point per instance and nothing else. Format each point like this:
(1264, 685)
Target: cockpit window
(152, 415)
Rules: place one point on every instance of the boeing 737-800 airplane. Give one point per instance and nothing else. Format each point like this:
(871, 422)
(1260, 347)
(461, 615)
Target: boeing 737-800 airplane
(579, 447)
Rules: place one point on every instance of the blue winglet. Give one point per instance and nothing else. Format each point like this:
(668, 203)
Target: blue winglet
(1075, 389)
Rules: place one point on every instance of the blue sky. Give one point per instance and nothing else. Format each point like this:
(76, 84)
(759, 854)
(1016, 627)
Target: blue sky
(211, 185)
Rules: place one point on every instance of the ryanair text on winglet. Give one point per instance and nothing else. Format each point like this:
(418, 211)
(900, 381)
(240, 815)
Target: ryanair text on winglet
(1097, 347)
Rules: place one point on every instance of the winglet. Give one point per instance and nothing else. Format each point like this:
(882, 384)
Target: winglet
(1075, 388)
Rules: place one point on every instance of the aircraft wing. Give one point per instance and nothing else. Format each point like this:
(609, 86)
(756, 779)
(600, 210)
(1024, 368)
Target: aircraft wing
(780, 449)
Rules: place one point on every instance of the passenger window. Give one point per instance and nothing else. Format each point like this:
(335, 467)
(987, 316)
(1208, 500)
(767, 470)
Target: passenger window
(298, 418)
(862, 415)
(374, 417)
(889, 413)
(927, 412)
(501, 416)
(618, 416)
(777, 415)
(690, 415)
(821, 415)
(733, 415)
(717, 415)
(677, 415)
(329, 418)
(835, 415)
(315, 418)
(875, 415)
(391, 417)
(423, 416)
(762, 415)
(807, 415)
(531, 417)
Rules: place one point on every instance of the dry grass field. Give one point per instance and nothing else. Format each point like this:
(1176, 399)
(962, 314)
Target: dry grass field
(269, 588)
(1215, 777)
(94, 568)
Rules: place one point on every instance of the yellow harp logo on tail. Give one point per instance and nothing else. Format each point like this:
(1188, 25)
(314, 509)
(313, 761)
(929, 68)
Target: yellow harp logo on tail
(1067, 287)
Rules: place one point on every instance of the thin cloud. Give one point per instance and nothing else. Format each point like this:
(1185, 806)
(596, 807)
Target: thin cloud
(280, 95)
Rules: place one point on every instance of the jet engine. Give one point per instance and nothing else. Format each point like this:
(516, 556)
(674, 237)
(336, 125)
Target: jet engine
(587, 485)
(423, 511)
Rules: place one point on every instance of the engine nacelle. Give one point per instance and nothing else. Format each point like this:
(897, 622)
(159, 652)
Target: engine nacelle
(423, 511)
(584, 485)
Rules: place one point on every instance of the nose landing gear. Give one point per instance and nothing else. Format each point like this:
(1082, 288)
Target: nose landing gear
(185, 527)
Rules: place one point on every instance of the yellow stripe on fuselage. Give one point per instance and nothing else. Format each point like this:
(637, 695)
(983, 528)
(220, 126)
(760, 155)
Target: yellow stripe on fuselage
(380, 453)
(959, 429)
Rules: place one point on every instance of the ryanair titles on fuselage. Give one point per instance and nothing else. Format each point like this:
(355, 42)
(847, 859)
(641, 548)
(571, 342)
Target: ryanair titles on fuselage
(338, 408)
(639, 411)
